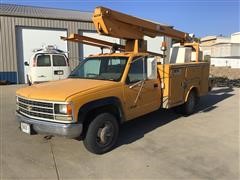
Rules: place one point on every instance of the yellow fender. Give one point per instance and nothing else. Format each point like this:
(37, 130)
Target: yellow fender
(190, 89)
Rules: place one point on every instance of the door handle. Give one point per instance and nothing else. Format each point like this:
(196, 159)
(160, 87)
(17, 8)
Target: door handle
(155, 85)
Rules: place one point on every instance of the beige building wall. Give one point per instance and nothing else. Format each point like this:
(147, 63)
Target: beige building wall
(235, 37)
(221, 50)
(221, 46)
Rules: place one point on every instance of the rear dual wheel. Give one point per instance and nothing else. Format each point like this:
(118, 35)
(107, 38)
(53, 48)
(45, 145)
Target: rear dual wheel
(189, 106)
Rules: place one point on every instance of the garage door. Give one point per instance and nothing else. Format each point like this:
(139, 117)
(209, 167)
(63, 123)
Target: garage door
(86, 50)
(29, 39)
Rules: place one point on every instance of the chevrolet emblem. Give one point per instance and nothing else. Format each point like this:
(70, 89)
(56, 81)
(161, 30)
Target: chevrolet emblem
(29, 108)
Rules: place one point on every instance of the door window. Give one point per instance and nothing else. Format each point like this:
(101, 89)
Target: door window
(137, 71)
(43, 60)
(59, 60)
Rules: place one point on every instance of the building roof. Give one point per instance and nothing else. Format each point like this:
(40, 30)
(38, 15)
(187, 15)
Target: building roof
(43, 12)
(208, 38)
(235, 34)
(49, 13)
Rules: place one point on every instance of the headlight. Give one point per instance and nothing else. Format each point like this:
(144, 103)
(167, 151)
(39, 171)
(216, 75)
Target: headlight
(17, 106)
(63, 109)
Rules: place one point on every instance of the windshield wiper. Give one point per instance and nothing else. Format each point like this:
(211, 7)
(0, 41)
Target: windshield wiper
(96, 78)
(73, 76)
(104, 78)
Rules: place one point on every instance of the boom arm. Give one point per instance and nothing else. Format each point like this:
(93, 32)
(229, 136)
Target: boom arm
(115, 24)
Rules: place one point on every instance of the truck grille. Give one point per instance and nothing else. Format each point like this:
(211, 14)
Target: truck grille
(36, 109)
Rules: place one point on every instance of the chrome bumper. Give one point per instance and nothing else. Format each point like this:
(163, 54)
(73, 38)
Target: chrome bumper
(51, 128)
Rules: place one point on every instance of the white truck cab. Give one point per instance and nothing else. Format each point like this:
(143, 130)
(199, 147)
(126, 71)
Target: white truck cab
(47, 64)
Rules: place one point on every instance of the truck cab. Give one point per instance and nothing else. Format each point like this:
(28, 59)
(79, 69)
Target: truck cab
(47, 64)
(136, 73)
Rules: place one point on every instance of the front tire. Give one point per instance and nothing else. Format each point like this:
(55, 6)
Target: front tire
(102, 134)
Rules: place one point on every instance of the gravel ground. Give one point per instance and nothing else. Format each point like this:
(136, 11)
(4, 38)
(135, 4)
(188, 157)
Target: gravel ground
(225, 72)
(225, 77)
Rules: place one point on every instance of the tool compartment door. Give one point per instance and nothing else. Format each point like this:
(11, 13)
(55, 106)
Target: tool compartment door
(204, 83)
(176, 85)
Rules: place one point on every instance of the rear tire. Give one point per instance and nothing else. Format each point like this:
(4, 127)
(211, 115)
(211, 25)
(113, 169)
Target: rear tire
(190, 104)
(102, 134)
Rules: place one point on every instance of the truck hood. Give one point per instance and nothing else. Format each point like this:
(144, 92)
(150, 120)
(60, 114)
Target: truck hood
(62, 89)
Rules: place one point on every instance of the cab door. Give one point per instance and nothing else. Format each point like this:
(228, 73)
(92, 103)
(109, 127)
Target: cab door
(142, 94)
(60, 66)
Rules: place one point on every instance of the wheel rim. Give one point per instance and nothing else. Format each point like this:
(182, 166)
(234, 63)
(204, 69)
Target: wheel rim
(105, 134)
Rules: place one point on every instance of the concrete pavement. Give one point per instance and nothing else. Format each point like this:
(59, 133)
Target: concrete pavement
(159, 145)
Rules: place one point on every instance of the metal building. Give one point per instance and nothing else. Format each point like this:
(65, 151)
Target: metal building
(25, 28)
(22, 26)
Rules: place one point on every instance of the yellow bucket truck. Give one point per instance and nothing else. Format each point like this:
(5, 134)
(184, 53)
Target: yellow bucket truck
(108, 89)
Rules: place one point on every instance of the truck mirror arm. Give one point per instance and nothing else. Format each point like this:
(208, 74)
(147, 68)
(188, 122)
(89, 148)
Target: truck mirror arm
(139, 92)
(136, 84)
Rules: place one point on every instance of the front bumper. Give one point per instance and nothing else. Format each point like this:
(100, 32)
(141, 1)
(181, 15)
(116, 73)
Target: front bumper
(51, 128)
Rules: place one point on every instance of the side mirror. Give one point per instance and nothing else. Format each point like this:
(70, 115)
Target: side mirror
(26, 63)
(151, 68)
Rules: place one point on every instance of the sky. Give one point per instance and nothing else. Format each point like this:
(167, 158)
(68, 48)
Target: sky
(201, 17)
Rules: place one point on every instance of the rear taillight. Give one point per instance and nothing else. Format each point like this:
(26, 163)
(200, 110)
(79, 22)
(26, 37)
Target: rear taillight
(34, 62)
(67, 62)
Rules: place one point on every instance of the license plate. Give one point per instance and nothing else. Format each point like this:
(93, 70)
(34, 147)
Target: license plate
(25, 128)
(60, 72)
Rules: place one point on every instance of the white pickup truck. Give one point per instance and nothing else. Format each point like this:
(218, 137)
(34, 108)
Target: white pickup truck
(47, 64)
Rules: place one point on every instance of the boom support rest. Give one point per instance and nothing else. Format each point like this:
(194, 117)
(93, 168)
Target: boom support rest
(100, 43)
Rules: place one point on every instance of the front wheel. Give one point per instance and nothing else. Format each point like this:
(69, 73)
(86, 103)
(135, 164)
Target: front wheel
(102, 134)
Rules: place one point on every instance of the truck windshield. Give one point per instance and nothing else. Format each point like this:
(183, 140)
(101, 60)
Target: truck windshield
(103, 68)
